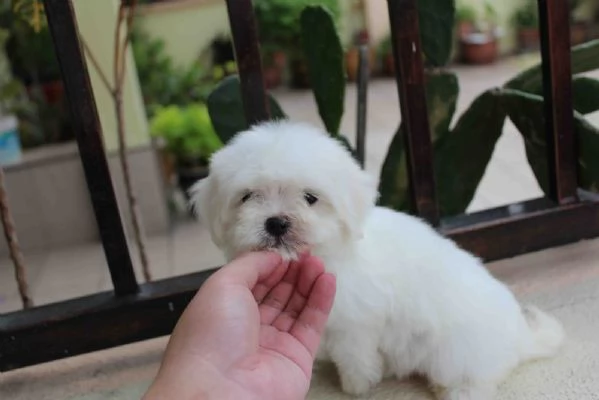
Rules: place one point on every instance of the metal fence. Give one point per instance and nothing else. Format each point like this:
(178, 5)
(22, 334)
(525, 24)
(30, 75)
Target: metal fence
(134, 312)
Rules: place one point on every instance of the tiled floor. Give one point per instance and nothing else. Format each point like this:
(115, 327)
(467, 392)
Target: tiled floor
(563, 279)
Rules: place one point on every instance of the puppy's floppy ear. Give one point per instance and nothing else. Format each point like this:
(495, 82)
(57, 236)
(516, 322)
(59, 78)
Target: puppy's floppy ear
(357, 204)
(204, 201)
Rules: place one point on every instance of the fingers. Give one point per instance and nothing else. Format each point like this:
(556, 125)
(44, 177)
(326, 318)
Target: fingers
(309, 326)
(275, 301)
(311, 270)
(251, 268)
(263, 287)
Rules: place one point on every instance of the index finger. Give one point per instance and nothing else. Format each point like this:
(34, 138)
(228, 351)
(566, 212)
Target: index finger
(251, 268)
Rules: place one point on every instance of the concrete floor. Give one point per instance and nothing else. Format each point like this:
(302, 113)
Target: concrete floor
(563, 280)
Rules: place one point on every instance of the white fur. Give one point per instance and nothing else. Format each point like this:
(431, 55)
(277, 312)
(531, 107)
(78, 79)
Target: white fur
(408, 300)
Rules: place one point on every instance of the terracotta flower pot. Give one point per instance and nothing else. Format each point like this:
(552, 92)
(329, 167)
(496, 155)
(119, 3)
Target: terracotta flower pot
(274, 68)
(478, 49)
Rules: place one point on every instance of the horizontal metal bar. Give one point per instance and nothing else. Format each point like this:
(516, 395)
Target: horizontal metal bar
(95, 322)
(524, 227)
(102, 321)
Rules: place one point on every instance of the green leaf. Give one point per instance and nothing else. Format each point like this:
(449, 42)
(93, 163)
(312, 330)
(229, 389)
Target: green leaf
(442, 90)
(461, 157)
(393, 184)
(436, 19)
(585, 94)
(585, 57)
(324, 55)
(442, 93)
(527, 113)
(226, 109)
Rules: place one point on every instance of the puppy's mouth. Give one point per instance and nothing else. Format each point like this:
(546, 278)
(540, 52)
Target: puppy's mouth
(288, 246)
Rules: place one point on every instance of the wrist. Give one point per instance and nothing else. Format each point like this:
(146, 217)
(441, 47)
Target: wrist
(198, 383)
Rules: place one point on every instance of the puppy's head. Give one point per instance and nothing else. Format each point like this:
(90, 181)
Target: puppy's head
(286, 187)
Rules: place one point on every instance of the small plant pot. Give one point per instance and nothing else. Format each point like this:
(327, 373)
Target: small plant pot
(189, 171)
(274, 69)
(465, 28)
(478, 49)
(352, 63)
(528, 39)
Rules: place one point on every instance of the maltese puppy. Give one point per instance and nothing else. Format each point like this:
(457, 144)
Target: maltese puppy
(408, 300)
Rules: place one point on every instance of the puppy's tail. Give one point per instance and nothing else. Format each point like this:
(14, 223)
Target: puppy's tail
(545, 334)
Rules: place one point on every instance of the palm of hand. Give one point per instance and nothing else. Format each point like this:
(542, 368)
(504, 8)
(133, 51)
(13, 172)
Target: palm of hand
(288, 335)
(260, 342)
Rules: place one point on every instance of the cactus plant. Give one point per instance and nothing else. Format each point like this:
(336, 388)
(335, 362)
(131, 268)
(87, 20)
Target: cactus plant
(526, 111)
(461, 153)
(324, 55)
(226, 108)
(442, 93)
(585, 94)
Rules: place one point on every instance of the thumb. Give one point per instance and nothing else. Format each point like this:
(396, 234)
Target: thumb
(251, 268)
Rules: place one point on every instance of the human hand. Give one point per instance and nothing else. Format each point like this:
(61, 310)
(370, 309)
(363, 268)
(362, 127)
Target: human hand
(251, 332)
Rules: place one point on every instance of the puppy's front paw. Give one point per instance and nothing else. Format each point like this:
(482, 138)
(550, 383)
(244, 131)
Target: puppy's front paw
(356, 385)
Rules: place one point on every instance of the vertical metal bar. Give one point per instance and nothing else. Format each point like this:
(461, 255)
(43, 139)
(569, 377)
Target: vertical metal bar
(409, 73)
(86, 125)
(249, 63)
(363, 73)
(557, 86)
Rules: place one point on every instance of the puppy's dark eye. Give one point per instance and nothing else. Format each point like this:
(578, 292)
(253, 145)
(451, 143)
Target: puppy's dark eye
(310, 198)
(246, 197)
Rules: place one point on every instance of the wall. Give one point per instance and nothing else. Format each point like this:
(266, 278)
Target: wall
(188, 26)
(97, 22)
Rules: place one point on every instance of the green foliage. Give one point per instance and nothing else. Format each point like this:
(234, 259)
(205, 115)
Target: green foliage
(187, 131)
(279, 22)
(462, 156)
(162, 83)
(436, 20)
(324, 55)
(465, 13)
(585, 58)
(526, 111)
(585, 94)
(442, 93)
(527, 15)
(226, 109)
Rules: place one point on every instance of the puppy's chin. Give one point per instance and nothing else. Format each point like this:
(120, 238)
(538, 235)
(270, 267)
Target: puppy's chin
(287, 252)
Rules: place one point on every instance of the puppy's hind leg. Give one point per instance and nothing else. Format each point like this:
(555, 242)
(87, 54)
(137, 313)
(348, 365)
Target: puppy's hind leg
(359, 363)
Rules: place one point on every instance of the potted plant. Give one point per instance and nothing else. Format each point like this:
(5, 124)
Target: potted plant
(279, 28)
(526, 21)
(274, 64)
(385, 51)
(465, 19)
(479, 46)
(579, 27)
(352, 55)
(189, 140)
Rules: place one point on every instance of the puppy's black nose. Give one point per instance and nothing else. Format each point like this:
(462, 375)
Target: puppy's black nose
(277, 226)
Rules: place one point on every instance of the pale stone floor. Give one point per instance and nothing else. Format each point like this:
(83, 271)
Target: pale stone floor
(563, 280)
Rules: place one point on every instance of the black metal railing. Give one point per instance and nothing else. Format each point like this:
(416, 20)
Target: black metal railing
(134, 312)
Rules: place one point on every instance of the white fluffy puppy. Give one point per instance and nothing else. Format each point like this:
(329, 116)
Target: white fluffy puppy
(408, 299)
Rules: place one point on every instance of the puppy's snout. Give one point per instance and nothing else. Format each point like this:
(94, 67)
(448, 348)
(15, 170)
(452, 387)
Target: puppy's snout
(277, 226)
